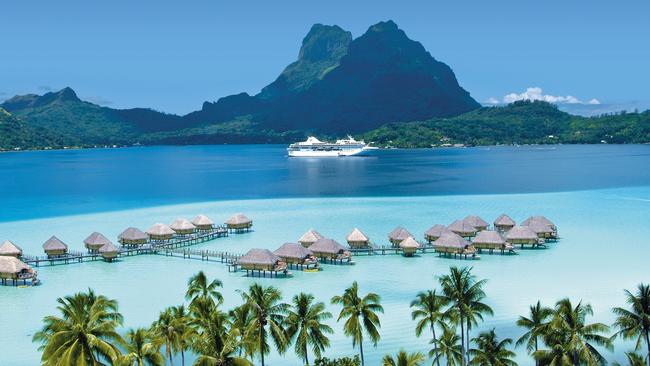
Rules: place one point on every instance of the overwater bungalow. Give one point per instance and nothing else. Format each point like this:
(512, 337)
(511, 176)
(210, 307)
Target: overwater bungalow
(435, 232)
(13, 269)
(203, 223)
(523, 235)
(357, 240)
(397, 235)
(160, 232)
(462, 228)
(239, 223)
(9, 249)
(296, 254)
(329, 249)
(504, 223)
(132, 237)
(409, 246)
(261, 261)
(541, 219)
(95, 241)
(54, 247)
(454, 244)
(543, 230)
(182, 226)
(478, 223)
(491, 240)
(108, 251)
(309, 238)
(538, 222)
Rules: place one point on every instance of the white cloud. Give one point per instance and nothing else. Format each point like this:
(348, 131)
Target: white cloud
(536, 93)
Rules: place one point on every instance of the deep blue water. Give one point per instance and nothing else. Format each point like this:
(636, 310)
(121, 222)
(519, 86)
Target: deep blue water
(54, 183)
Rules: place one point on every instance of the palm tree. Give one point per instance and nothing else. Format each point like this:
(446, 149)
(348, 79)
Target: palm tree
(181, 324)
(464, 294)
(633, 359)
(305, 324)
(535, 325)
(268, 317)
(360, 315)
(141, 349)
(570, 339)
(634, 322)
(448, 346)
(168, 332)
(491, 351)
(428, 308)
(198, 286)
(215, 340)
(403, 359)
(85, 334)
(240, 318)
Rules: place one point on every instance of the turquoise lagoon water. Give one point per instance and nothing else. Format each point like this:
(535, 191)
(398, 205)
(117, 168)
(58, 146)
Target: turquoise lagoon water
(603, 250)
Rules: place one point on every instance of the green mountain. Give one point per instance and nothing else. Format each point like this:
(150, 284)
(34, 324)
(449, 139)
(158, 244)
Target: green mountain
(523, 122)
(15, 134)
(370, 86)
(336, 86)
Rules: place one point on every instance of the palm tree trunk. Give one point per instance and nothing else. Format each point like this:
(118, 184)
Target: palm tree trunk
(361, 352)
(647, 343)
(182, 357)
(462, 340)
(262, 342)
(468, 339)
(536, 361)
(435, 344)
(169, 354)
(306, 357)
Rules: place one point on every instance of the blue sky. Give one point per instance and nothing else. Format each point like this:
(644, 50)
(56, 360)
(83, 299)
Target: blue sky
(172, 56)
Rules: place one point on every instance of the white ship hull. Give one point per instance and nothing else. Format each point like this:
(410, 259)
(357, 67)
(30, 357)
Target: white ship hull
(318, 154)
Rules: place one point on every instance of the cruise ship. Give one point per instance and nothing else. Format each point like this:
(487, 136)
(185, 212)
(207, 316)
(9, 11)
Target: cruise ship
(313, 147)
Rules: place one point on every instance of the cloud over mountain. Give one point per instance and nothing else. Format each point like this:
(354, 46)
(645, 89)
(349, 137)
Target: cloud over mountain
(536, 93)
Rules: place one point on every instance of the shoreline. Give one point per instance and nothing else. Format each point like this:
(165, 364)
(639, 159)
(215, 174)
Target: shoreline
(114, 147)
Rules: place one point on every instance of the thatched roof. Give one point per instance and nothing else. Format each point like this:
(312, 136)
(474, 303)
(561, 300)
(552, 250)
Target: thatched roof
(461, 226)
(238, 219)
(504, 220)
(160, 229)
(10, 249)
(259, 256)
(356, 235)
(96, 240)
(399, 233)
(133, 233)
(451, 240)
(521, 232)
(54, 243)
(202, 220)
(540, 219)
(293, 250)
(108, 248)
(488, 237)
(437, 230)
(325, 245)
(311, 236)
(540, 227)
(476, 221)
(13, 265)
(409, 243)
(182, 224)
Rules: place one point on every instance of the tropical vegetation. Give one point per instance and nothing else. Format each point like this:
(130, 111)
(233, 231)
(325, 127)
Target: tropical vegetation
(88, 329)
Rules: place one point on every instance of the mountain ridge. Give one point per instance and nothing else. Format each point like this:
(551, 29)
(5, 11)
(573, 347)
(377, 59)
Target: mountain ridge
(336, 85)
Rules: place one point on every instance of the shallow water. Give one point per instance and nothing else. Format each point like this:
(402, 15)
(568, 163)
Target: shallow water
(603, 250)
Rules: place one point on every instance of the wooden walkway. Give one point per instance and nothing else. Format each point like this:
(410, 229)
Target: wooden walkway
(150, 248)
